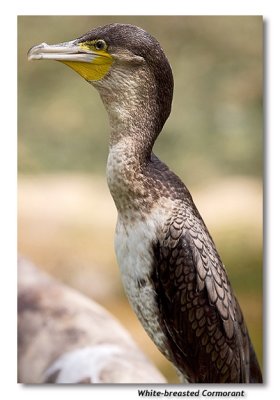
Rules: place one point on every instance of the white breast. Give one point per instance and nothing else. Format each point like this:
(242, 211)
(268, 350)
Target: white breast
(134, 250)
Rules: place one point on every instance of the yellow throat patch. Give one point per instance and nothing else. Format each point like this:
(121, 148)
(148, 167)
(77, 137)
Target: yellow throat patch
(94, 70)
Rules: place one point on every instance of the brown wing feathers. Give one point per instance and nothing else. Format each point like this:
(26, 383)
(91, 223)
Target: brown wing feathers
(208, 336)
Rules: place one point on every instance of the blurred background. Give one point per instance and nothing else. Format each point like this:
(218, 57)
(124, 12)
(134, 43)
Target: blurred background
(212, 140)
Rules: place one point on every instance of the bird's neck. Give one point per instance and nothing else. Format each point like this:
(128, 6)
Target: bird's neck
(131, 99)
(127, 178)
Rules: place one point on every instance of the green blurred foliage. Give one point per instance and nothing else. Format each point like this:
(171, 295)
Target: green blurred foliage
(215, 127)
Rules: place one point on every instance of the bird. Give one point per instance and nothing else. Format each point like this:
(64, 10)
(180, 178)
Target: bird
(171, 270)
(66, 338)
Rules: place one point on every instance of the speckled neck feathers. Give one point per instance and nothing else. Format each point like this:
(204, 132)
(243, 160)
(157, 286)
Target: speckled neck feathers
(137, 94)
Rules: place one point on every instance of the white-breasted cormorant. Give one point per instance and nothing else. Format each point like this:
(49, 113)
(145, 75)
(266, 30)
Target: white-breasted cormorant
(172, 273)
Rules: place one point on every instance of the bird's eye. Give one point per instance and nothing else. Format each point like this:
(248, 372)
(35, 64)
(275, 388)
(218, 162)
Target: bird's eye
(100, 44)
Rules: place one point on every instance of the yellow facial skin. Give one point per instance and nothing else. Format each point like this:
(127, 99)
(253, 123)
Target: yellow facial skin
(97, 68)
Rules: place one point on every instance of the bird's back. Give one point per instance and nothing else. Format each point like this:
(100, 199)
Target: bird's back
(199, 312)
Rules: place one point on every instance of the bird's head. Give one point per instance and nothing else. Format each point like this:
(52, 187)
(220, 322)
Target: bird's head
(94, 54)
(124, 62)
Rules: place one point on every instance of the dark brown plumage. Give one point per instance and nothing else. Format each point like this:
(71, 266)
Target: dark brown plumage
(171, 270)
(206, 330)
(207, 334)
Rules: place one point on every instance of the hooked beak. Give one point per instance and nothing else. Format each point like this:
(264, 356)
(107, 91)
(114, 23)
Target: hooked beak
(68, 51)
(90, 64)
